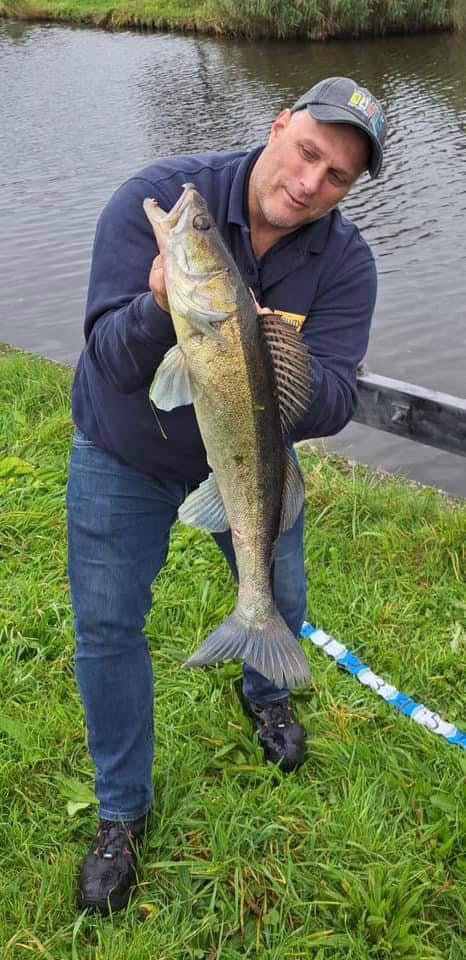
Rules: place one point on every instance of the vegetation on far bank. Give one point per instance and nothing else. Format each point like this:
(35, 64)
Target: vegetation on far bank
(309, 19)
(358, 856)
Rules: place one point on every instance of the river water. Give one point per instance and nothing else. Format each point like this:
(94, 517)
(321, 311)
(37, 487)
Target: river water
(82, 109)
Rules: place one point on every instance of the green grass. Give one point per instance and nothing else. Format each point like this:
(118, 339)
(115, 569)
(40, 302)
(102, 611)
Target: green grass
(360, 854)
(311, 19)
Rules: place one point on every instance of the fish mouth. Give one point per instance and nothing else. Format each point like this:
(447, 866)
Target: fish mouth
(169, 228)
(164, 220)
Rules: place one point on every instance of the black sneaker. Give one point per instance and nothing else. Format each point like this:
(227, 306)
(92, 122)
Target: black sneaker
(109, 870)
(280, 734)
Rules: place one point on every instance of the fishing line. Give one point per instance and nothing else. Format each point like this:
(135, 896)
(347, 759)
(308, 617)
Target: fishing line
(405, 704)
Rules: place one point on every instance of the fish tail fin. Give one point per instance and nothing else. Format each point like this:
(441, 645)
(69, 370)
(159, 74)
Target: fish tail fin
(271, 649)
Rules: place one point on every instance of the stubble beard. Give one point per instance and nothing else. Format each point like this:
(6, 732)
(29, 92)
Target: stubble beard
(274, 220)
(284, 221)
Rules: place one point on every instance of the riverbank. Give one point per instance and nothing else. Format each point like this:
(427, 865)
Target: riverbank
(310, 19)
(360, 854)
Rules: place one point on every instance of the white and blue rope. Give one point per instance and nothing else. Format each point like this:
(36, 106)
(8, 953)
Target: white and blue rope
(405, 704)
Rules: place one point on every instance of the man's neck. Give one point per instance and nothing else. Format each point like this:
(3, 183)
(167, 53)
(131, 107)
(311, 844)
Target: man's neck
(264, 238)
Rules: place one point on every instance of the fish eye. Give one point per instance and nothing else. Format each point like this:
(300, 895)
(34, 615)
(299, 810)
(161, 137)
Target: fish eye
(201, 222)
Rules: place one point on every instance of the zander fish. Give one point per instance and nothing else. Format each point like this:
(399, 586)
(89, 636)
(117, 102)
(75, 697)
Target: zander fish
(248, 377)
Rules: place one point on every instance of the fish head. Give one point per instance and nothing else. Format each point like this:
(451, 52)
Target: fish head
(184, 233)
(199, 271)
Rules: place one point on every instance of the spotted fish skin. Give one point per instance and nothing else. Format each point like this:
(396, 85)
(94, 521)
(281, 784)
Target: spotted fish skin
(248, 378)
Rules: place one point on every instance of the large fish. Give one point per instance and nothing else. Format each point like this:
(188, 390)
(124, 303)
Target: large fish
(248, 377)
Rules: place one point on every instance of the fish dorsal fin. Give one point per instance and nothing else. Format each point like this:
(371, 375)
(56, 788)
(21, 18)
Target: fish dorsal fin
(290, 357)
(293, 494)
(204, 508)
(171, 386)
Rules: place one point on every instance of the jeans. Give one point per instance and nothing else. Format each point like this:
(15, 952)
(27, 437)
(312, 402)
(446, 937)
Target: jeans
(119, 522)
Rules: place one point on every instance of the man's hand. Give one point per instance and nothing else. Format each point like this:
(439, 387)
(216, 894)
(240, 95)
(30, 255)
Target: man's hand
(157, 283)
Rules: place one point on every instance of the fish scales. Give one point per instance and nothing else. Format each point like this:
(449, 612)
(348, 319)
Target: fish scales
(246, 451)
(223, 364)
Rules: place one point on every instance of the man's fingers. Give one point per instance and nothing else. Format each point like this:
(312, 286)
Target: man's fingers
(157, 282)
(158, 266)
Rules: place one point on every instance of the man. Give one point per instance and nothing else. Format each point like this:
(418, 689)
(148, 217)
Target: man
(277, 210)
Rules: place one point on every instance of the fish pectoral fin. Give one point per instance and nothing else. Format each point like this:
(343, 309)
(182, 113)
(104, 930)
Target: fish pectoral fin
(203, 323)
(171, 386)
(202, 318)
(290, 357)
(293, 494)
(204, 508)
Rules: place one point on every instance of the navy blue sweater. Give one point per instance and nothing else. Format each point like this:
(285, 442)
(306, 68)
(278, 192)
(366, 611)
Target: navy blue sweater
(324, 272)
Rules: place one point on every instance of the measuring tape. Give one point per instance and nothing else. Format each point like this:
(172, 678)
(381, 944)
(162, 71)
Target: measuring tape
(350, 662)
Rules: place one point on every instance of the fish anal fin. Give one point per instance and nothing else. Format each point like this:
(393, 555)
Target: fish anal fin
(171, 386)
(204, 508)
(293, 494)
(291, 362)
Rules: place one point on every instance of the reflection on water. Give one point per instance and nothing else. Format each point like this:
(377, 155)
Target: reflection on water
(83, 109)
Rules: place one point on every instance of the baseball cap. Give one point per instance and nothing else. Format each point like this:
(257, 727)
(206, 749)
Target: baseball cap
(341, 100)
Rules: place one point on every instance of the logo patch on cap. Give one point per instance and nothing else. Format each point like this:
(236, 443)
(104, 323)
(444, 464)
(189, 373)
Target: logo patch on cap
(365, 104)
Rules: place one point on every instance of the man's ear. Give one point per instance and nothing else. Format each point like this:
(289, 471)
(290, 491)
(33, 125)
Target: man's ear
(279, 124)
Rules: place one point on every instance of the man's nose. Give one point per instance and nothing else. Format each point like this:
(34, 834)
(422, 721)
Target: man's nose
(313, 176)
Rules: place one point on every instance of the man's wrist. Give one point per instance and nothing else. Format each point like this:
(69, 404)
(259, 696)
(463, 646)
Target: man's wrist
(156, 323)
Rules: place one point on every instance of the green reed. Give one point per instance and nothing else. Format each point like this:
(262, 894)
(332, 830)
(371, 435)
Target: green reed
(281, 19)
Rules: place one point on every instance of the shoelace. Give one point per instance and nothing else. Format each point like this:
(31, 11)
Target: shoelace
(113, 838)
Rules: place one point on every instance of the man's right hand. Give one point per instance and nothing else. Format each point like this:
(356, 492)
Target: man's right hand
(157, 283)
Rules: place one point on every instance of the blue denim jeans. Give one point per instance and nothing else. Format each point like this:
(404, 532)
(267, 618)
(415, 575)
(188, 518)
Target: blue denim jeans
(119, 522)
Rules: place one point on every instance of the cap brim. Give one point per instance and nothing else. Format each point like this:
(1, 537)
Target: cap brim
(329, 114)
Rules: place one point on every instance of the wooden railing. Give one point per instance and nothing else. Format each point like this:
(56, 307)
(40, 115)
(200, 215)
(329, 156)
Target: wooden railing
(417, 413)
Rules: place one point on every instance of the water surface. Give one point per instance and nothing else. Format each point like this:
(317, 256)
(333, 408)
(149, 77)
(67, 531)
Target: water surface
(81, 110)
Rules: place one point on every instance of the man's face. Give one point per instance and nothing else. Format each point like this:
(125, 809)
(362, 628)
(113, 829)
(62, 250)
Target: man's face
(305, 170)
